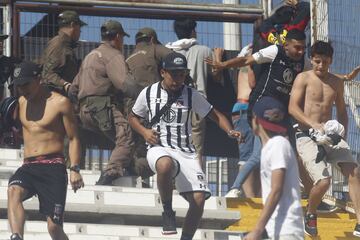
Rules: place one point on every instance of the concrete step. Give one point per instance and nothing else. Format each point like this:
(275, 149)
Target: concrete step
(44, 236)
(4, 183)
(38, 228)
(11, 159)
(128, 207)
(90, 177)
(331, 226)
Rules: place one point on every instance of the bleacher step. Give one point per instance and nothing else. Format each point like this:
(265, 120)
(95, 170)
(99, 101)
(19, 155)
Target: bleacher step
(126, 207)
(38, 228)
(331, 226)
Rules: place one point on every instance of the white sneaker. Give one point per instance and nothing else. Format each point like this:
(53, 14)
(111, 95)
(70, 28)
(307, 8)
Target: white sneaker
(234, 193)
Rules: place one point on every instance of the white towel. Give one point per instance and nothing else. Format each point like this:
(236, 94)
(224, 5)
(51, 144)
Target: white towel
(181, 44)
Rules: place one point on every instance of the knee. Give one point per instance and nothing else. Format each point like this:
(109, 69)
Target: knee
(324, 183)
(164, 165)
(198, 201)
(14, 193)
(55, 230)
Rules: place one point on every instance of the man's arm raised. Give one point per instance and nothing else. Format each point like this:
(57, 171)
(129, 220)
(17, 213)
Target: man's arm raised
(71, 130)
(350, 76)
(231, 63)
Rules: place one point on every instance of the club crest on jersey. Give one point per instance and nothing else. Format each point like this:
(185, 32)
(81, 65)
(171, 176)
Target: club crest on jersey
(288, 76)
(17, 72)
(169, 116)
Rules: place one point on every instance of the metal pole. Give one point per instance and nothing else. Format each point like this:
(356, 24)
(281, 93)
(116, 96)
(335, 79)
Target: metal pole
(162, 5)
(313, 32)
(16, 33)
(7, 30)
(140, 13)
(266, 8)
(232, 38)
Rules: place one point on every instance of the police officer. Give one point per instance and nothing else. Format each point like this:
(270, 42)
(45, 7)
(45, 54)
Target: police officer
(60, 64)
(99, 85)
(145, 62)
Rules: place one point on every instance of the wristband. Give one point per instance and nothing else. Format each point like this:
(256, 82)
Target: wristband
(75, 168)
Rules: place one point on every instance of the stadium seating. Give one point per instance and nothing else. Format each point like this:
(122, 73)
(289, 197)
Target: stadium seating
(113, 212)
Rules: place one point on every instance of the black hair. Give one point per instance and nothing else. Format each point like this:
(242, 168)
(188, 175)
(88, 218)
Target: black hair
(184, 27)
(296, 35)
(322, 48)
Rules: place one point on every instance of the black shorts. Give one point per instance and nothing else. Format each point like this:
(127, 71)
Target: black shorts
(47, 180)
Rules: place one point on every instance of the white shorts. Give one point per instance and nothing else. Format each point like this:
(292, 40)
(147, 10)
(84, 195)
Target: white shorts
(188, 174)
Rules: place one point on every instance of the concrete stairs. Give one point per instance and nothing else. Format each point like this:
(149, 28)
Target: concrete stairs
(37, 230)
(112, 212)
(338, 225)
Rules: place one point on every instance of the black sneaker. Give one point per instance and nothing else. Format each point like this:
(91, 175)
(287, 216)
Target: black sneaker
(326, 208)
(357, 230)
(169, 223)
(310, 222)
(106, 180)
(15, 236)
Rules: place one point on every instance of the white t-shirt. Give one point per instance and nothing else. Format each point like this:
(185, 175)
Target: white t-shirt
(175, 125)
(287, 217)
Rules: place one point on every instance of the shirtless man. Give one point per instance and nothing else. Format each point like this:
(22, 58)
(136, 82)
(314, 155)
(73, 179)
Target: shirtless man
(46, 118)
(311, 101)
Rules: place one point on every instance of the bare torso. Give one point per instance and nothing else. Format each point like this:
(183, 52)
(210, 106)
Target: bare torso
(320, 95)
(42, 125)
(243, 89)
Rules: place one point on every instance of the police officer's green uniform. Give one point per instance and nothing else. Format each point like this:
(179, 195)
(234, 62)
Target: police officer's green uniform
(102, 81)
(59, 61)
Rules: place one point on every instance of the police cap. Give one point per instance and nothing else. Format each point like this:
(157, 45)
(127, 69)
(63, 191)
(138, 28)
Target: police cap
(67, 17)
(112, 27)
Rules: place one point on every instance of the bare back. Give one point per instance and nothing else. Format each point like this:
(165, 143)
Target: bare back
(42, 124)
(243, 89)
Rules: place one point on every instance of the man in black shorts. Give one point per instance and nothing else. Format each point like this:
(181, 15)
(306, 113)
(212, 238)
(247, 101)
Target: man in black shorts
(46, 118)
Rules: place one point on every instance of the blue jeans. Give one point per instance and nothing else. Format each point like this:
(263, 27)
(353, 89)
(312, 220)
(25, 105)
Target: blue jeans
(249, 150)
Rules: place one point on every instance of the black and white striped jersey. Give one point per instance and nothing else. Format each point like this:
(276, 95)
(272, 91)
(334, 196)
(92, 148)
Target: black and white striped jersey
(175, 124)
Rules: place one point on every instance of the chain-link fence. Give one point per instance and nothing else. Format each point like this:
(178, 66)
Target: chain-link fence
(337, 21)
(225, 24)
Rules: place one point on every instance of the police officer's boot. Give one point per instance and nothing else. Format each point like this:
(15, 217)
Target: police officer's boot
(106, 179)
